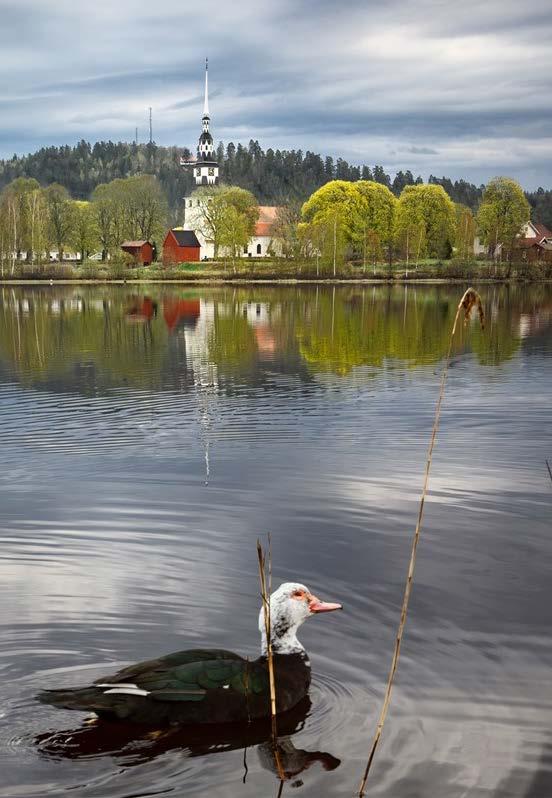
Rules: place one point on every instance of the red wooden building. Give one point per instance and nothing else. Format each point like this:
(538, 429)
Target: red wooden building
(181, 246)
(141, 251)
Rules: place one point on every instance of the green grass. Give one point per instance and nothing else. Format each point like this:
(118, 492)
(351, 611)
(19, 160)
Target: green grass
(281, 269)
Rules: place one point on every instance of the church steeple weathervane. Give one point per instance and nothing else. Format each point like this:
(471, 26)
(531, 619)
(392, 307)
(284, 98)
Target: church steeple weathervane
(206, 169)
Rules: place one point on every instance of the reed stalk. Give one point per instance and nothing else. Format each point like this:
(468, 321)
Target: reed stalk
(266, 589)
(549, 470)
(469, 300)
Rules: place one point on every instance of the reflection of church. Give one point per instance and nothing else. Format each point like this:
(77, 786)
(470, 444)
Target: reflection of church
(206, 173)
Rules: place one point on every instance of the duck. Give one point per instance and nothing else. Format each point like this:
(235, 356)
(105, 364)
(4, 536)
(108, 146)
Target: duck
(202, 686)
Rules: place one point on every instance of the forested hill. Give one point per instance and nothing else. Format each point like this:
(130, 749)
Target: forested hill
(274, 176)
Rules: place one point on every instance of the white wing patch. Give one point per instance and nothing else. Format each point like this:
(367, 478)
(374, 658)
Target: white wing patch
(123, 688)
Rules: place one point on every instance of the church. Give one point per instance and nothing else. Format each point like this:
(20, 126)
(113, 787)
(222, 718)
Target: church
(206, 173)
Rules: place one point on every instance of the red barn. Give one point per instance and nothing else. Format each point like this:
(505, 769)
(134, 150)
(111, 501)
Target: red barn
(181, 246)
(141, 251)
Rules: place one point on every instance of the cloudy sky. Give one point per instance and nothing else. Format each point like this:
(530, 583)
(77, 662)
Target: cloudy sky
(437, 86)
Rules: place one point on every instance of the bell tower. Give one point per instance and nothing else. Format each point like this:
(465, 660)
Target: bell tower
(206, 169)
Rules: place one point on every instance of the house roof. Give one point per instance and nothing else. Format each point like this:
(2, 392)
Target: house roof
(185, 238)
(134, 244)
(542, 230)
(267, 216)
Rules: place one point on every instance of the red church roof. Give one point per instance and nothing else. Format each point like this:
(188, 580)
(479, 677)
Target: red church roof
(267, 217)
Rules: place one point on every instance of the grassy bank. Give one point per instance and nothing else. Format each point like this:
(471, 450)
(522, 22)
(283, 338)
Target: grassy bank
(275, 270)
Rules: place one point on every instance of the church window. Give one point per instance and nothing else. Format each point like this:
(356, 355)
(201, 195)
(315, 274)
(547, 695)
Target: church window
(211, 172)
(258, 249)
(245, 250)
(198, 172)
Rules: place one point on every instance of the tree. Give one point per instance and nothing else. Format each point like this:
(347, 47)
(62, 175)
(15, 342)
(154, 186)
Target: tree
(60, 216)
(146, 207)
(233, 233)
(84, 235)
(216, 213)
(326, 237)
(19, 221)
(37, 221)
(465, 231)
(503, 211)
(286, 230)
(108, 211)
(374, 227)
(425, 221)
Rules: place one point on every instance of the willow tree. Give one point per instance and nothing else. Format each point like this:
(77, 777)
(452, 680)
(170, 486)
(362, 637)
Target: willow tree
(425, 221)
(502, 214)
(465, 231)
(373, 229)
(330, 215)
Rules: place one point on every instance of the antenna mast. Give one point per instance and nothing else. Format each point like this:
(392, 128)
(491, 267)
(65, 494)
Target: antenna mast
(151, 127)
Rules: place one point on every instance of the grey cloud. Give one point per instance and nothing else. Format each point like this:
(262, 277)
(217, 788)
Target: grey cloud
(408, 82)
(422, 151)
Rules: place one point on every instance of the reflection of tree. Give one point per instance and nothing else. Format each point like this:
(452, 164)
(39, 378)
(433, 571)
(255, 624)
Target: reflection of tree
(344, 329)
(49, 338)
(92, 339)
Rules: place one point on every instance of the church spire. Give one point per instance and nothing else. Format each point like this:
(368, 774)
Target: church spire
(206, 102)
(206, 168)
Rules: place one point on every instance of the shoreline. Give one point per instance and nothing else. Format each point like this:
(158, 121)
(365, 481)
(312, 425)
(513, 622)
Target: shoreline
(213, 281)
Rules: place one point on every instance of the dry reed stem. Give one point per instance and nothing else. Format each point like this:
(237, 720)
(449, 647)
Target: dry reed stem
(469, 300)
(265, 595)
(549, 470)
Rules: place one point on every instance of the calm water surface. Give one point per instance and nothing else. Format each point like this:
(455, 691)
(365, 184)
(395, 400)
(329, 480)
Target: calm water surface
(149, 435)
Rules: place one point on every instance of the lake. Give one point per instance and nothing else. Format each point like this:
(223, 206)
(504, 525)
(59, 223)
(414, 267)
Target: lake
(152, 433)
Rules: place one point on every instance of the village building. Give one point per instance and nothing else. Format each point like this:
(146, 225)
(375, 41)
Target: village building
(180, 246)
(206, 173)
(141, 251)
(535, 242)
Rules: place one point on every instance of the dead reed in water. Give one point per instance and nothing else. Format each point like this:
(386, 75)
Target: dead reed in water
(265, 578)
(549, 470)
(469, 301)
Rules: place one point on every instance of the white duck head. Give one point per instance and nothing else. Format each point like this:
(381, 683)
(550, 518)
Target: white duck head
(290, 606)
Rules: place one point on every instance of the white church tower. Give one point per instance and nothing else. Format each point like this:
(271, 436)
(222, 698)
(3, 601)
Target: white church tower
(205, 166)
(206, 173)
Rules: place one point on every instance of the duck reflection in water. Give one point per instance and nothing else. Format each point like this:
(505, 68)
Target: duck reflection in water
(140, 744)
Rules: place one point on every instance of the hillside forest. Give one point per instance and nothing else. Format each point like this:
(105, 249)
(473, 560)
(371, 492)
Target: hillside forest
(274, 177)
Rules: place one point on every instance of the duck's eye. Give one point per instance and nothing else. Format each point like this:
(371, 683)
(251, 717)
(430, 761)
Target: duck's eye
(298, 594)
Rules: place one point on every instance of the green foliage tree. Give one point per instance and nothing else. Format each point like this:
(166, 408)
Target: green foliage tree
(37, 214)
(60, 216)
(234, 233)
(373, 230)
(503, 211)
(105, 208)
(465, 231)
(145, 208)
(425, 222)
(84, 235)
(219, 208)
